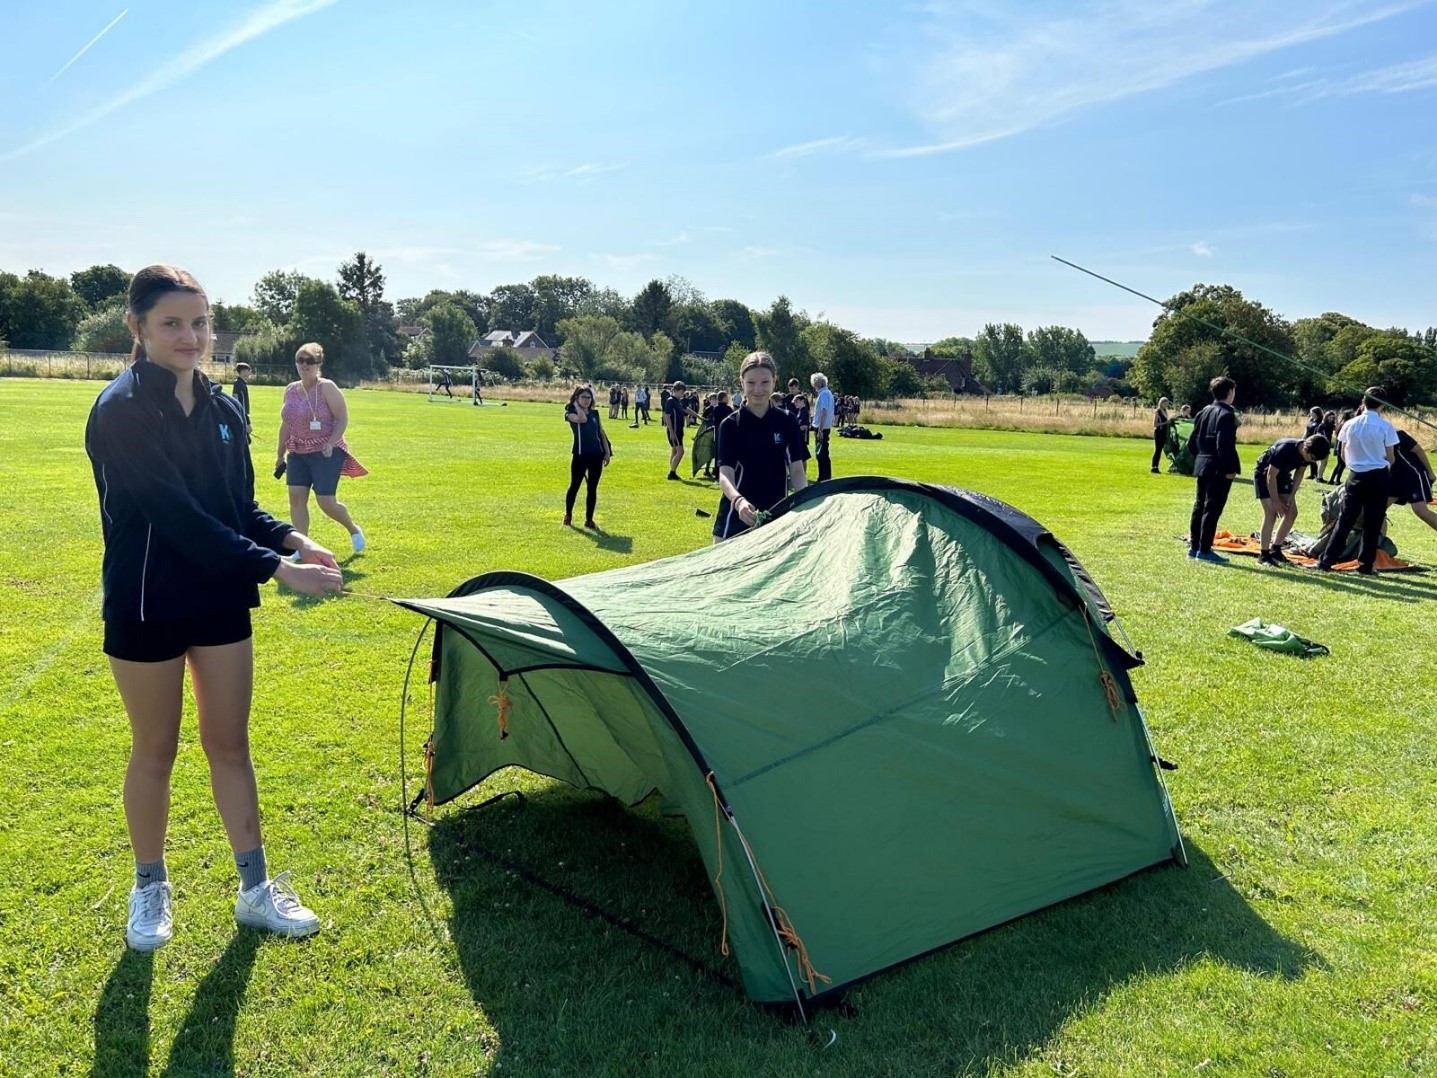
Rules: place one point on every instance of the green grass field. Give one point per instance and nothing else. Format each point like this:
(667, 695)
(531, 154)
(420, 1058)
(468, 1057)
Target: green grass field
(1299, 942)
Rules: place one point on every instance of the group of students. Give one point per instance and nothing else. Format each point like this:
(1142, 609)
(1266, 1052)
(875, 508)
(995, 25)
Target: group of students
(1385, 467)
(761, 443)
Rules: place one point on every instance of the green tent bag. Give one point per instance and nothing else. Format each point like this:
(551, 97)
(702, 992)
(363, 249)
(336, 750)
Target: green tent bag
(893, 717)
(1274, 637)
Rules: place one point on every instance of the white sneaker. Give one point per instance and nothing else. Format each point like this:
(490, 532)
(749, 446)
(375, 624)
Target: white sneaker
(357, 541)
(150, 924)
(275, 906)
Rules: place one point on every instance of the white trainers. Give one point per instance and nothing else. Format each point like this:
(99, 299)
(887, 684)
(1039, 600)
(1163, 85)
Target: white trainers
(150, 924)
(357, 542)
(275, 907)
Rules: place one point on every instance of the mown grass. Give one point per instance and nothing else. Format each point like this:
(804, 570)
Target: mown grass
(1299, 942)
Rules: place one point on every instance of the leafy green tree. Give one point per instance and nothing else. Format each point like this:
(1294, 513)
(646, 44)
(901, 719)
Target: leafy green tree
(586, 342)
(321, 314)
(693, 327)
(1399, 364)
(1262, 378)
(275, 293)
(1061, 349)
(1000, 355)
(850, 364)
(606, 302)
(451, 335)
(736, 323)
(504, 362)
(542, 368)
(663, 353)
(555, 299)
(628, 358)
(902, 379)
(268, 350)
(361, 279)
(105, 330)
(780, 334)
(39, 311)
(512, 307)
(100, 284)
(952, 347)
(651, 307)
(236, 318)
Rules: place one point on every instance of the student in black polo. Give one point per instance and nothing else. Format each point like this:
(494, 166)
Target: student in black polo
(1213, 444)
(186, 548)
(760, 452)
(1275, 482)
(675, 416)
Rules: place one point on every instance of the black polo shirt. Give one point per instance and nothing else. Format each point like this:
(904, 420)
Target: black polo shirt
(759, 449)
(1285, 455)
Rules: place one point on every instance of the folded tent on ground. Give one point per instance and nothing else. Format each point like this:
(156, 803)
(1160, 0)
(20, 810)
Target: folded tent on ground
(893, 716)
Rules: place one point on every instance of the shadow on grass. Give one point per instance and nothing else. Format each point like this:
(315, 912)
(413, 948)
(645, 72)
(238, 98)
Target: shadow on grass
(1402, 587)
(205, 1042)
(618, 544)
(122, 1017)
(568, 991)
(300, 601)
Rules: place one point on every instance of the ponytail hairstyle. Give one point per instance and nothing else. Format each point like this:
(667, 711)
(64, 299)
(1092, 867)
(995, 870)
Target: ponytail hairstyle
(151, 284)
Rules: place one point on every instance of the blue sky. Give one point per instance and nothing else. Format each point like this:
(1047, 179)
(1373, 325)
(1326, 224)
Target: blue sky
(901, 169)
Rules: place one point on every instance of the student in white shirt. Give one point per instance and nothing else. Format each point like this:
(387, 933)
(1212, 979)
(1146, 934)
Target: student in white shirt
(1368, 448)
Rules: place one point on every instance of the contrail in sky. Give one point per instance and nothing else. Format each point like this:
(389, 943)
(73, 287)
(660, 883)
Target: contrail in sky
(91, 42)
(261, 21)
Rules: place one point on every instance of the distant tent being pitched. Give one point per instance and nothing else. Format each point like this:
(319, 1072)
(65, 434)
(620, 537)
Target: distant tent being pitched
(893, 716)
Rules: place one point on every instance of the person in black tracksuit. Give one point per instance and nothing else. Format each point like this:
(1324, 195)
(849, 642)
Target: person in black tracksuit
(1213, 444)
(186, 548)
(241, 392)
(759, 452)
(1161, 423)
(592, 452)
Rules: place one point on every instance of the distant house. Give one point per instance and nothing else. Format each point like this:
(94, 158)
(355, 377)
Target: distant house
(412, 333)
(224, 345)
(526, 342)
(957, 371)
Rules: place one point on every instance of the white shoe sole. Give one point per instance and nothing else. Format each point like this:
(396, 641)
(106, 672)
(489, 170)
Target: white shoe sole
(295, 931)
(147, 944)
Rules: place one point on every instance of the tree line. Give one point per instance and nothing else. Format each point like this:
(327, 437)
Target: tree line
(669, 329)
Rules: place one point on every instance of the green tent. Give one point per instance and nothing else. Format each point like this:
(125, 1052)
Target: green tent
(1179, 430)
(893, 716)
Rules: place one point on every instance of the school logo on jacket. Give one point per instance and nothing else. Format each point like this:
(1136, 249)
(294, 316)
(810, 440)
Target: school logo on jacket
(225, 433)
(778, 437)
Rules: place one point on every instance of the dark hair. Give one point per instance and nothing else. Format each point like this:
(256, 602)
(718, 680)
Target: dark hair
(1372, 398)
(574, 396)
(1318, 446)
(1221, 386)
(151, 285)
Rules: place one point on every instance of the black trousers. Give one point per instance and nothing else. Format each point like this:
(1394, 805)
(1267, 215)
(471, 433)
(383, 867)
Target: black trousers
(584, 466)
(820, 443)
(1160, 438)
(1367, 495)
(1212, 492)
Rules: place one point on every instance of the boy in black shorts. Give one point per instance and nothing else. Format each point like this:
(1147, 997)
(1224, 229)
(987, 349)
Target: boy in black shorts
(1275, 482)
(675, 416)
(1412, 478)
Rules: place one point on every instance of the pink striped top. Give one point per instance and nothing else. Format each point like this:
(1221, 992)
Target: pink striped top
(298, 411)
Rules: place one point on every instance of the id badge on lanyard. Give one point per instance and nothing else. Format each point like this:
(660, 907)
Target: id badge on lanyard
(315, 424)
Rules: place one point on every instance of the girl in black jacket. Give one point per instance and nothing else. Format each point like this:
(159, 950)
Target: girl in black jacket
(186, 548)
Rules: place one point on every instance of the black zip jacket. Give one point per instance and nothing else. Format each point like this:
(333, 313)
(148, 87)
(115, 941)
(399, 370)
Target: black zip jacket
(184, 537)
(1213, 441)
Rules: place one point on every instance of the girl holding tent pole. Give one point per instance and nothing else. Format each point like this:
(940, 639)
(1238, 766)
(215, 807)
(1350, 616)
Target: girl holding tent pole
(186, 548)
(760, 452)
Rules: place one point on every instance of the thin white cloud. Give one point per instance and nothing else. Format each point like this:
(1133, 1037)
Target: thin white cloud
(1202, 248)
(88, 45)
(588, 170)
(836, 144)
(508, 250)
(627, 261)
(1403, 78)
(710, 228)
(1000, 72)
(268, 17)
(681, 238)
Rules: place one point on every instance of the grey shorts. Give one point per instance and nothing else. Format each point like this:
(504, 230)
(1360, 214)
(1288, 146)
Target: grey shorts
(315, 470)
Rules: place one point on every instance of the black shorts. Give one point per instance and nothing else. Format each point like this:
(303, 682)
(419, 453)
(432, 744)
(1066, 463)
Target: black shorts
(1409, 485)
(161, 641)
(315, 470)
(1259, 485)
(676, 441)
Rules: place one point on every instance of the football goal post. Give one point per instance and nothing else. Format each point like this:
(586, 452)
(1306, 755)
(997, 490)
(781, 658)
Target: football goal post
(442, 381)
